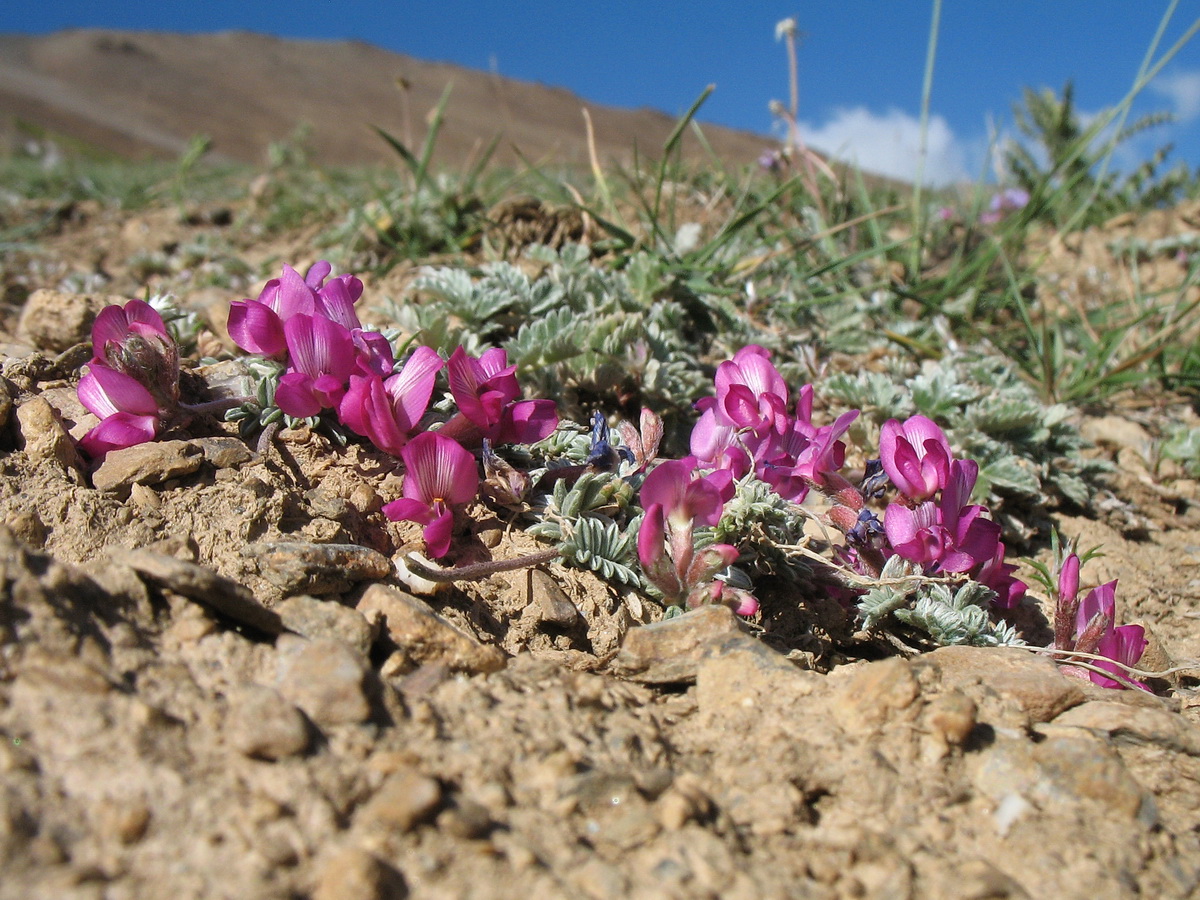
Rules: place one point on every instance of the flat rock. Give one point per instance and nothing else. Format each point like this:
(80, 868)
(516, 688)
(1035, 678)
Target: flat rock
(313, 618)
(1135, 724)
(223, 452)
(669, 652)
(263, 725)
(56, 320)
(1006, 683)
(425, 637)
(325, 679)
(353, 872)
(203, 585)
(740, 670)
(299, 567)
(150, 463)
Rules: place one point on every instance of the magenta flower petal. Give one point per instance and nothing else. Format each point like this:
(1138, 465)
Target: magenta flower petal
(318, 346)
(335, 303)
(256, 328)
(294, 297)
(1124, 645)
(652, 535)
(367, 409)
(406, 509)
(528, 422)
(114, 323)
(439, 469)
(915, 455)
(1102, 599)
(1068, 580)
(412, 386)
(117, 432)
(106, 392)
(666, 485)
(317, 273)
(296, 397)
(437, 533)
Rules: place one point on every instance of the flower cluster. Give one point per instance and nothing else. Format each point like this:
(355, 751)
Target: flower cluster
(132, 382)
(330, 362)
(1088, 625)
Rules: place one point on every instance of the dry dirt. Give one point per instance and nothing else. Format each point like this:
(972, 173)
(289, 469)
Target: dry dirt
(211, 685)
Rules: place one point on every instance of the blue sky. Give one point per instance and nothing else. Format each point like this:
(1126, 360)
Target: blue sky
(861, 61)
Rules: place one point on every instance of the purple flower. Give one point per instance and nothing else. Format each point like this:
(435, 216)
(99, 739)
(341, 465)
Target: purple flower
(387, 412)
(441, 477)
(751, 394)
(486, 391)
(132, 384)
(128, 412)
(1004, 202)
(947, 536)
(676, 501)
(322, 355)
(915, 455)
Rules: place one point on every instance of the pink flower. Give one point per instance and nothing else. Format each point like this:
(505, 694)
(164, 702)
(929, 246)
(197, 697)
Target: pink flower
(486, 391)
(947, 536)
(916, 456)
(322, 356)
(676, 501)
(442, 477)
(128, 411)
(1096, 632)
(751, 394)
(387, 412)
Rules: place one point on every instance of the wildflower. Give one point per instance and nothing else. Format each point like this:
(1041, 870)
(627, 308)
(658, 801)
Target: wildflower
(1002, 203)
(751, 394)
(486, 392)
(441, 477)
(132, 383)
(128, 412)
(1089, 626)
(386, 412)
(947, 536)
(322, 355)
(916, 456)
(676, 502)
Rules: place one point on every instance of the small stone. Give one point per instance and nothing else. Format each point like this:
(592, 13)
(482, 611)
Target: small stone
(951, 717)
(203, 585)
(325, 679)
(1074, 768)
(44, 438)
(297, 567)
(353, 872)
(263, 725)
(313, 618)
(553, 605)
(56, 320)
(404, 800)
(223, 452)
(27, 526)
(126, 819)
(669, 652)
(874, 694)
(465, 819)
(150, 463)
(424, 636)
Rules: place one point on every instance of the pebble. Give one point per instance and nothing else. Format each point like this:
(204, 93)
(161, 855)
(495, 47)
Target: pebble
(313, 618)
(261, 724)
(875, 694)
(669, 652)
(553, 605)
(424, 636)
(45, 439)
(325, 679)
(465, 819)
(298, 567)
(404, 800)
(150, 463)
(223, 452)
(56, 320)
(203, 585)
(740, 670)
(353, 872)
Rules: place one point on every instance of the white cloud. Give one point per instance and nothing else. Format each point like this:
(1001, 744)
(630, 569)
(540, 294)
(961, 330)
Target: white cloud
(1183, 90)
(889, 144)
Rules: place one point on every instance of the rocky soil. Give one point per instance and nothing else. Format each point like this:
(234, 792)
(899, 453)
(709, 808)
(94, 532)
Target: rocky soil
(212, 684)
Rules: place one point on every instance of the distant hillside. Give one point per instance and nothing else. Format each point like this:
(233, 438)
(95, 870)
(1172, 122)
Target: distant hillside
(144, 94)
